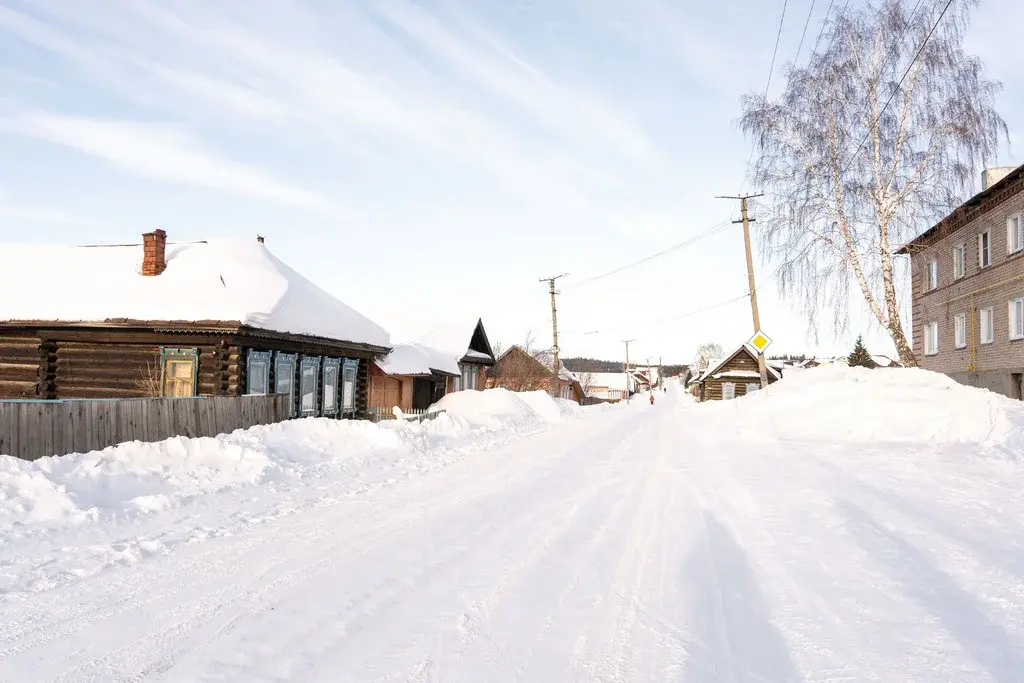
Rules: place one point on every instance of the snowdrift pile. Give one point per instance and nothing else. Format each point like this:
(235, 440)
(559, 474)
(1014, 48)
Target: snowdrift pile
(879, 407)
(136, 478)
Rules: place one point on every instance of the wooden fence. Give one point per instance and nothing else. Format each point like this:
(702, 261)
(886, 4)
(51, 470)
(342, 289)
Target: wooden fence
(34, 429)
(415, 415)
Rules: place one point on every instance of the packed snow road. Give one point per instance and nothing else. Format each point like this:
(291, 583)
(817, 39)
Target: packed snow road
(641, 543)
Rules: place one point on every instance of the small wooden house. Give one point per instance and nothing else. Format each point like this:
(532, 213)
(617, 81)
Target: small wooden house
(417, 374)
(735, 375)
(518, 370)
(165, 319)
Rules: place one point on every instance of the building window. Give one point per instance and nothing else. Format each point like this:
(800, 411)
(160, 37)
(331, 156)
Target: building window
(284, 377)
(959, 261)
(931, 339)
(178, 372)
(1014, 234)
(349, 377)
(469, 374)
(933, 275)
(309, 372)
(332, 372)
(728, 391)
(960, 330)
(984, 250)
(752, 387)
(986, 319)
(257, 373)
(1017, 318)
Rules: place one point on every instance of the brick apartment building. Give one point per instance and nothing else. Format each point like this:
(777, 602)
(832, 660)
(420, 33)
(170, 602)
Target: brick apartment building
(968, 288)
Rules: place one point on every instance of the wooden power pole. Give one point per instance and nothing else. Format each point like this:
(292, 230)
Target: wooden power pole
(554, 334)
(762, 366)
(627, 342)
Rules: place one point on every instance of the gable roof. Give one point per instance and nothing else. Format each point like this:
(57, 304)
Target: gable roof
(216, 280)
(717, 365)
(441, 350)
(545, 358)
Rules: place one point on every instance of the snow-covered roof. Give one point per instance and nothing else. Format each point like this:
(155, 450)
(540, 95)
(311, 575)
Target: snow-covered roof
(440, 350)
(716, 365)
(215, 280)
(545, 358)
(740, 374)
(418, 359)
(615, 381)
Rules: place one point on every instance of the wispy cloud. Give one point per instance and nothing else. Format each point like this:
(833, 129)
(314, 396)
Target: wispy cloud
(162, 152)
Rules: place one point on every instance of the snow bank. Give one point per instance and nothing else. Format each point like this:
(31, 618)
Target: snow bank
(878, 407)
(138, 478)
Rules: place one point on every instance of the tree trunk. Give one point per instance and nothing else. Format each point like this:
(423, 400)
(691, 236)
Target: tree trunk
(903, 347)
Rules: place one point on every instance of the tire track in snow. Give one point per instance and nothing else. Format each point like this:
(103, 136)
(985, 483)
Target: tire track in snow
(210, 605)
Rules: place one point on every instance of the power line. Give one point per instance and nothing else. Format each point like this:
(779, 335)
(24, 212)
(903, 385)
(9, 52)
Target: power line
(775, 53)
(804, 34)
(675, 247)
(899, 85)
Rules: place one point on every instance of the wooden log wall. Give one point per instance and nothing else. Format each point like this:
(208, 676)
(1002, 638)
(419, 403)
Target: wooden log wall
(31, 430)
(21, 364)
(84, 369)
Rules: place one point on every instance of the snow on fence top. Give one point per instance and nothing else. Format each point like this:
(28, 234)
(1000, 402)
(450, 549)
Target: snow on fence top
(216, 280)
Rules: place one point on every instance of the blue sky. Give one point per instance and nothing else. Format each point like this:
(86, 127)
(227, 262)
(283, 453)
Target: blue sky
(425, 162)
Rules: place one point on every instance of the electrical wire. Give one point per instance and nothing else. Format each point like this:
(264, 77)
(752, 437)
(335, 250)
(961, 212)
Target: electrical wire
(898, 85)
(675, 247)
(804, 34)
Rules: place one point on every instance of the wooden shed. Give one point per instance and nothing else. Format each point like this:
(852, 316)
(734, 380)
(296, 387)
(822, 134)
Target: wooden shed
(735, 375)
(210, 318)
(518, 370)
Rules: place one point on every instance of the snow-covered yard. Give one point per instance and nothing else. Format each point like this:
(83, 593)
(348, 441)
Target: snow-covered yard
(843, 525)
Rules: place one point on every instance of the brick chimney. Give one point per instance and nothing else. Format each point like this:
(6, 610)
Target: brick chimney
(154, 249)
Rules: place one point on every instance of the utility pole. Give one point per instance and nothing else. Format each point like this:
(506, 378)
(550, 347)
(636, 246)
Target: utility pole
(554, 334)
(627, 342)
(746, 221)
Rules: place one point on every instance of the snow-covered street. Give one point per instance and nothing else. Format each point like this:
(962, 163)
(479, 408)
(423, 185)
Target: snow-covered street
(632, 543)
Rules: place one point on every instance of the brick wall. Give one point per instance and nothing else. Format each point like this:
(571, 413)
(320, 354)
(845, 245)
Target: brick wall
(990, 286)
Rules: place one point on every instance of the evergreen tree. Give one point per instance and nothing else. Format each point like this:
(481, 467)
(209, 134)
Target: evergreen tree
(860, 356)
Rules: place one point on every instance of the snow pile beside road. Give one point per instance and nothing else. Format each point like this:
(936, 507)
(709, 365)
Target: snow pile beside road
(138, 478)
(884, 406)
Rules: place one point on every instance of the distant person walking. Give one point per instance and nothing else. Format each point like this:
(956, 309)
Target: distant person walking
(652, 398)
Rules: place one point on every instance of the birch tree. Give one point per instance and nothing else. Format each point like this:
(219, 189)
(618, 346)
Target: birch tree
(880, 135)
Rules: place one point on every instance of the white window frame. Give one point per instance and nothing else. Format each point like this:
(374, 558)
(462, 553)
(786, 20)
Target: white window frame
(752, 387)
(984, 249)
(960, 330)
(1016, 310)
(959, 260)
(257, 370)
(933, 275)
(1014, 234)
(931, 339)
(349, 379)
(987, 333)
(731, 393)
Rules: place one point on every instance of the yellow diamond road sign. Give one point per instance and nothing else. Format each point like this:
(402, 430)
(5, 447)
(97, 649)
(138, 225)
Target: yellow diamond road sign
(760, 341)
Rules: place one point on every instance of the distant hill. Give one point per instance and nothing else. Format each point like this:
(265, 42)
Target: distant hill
(579, 365)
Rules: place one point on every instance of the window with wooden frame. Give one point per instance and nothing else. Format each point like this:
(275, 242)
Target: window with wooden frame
(1017, 318)
(349, 378)
(933, 275)
(984, 250)
(987, 325)
(960, 330)
(931, 339)
(728, 391)
(1014, 234)
(332, 379)
(257, 373)
(753, 386)
(284, 377)
(309, 374)
(959, 261)
(179, 369)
